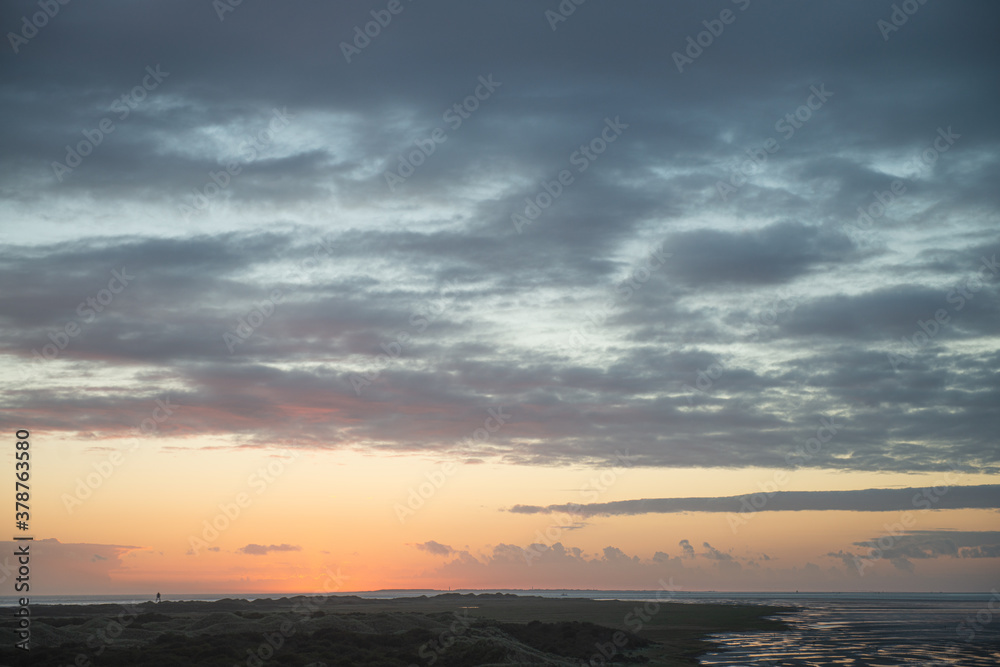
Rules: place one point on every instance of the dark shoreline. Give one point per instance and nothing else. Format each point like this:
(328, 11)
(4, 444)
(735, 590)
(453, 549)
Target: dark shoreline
(446, 630)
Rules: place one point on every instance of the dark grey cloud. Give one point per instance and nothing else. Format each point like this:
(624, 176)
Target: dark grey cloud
(767, 316)
(985, 496)
(891, 312)
(774, 254)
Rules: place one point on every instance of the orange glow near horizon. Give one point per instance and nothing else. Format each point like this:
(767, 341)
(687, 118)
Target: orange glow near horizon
(268, 521)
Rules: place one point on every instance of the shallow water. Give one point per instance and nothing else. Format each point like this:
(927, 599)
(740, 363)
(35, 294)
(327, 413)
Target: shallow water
(865, 632)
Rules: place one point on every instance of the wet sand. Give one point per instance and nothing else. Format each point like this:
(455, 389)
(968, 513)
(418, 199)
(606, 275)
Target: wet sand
(920, 633)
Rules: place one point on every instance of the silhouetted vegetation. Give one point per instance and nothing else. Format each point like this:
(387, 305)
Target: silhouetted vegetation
(457, 630)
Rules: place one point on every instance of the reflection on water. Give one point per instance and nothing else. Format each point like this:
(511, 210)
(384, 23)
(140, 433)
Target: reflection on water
(863, 632)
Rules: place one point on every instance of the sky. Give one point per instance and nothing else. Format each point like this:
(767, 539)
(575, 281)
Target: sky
(319, 296)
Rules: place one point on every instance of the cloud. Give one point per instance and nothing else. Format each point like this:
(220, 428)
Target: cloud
(262, 550)
(436, 548)
(888, 313)
(774, 254)
(70, 568)
(688, 549)
(903, 548)
(985, 496)
(563, 566)
(981, 551)
(715, 554)
(608, 351)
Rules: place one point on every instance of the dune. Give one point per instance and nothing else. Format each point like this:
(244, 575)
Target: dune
(450, 630)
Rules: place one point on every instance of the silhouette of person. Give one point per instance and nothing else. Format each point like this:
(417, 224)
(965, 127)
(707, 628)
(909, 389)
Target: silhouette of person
(157, 597)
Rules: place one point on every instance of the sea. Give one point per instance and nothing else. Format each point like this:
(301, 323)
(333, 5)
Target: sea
(824, 629)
